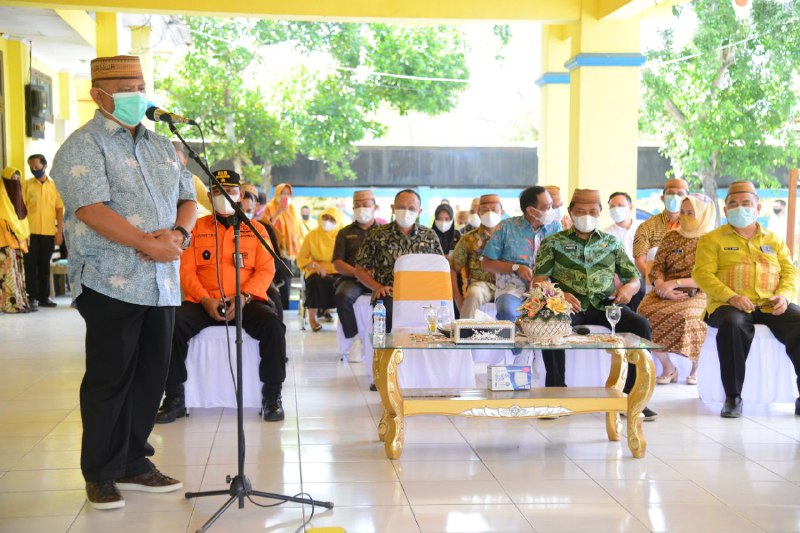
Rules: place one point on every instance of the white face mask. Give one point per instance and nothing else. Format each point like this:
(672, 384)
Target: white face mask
(444, 225)
(221, 205)
(619, 214)
(557, 213)
(474, 220)
(328, 226)
(491, 219)
(547, 217)
(364, 215)
(405, 218)
(586, 223)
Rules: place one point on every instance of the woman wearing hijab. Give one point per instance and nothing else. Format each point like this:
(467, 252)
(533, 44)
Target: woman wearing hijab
(316, 261)
(14, 235)
(280, 214)
(445, 228)
(675, 307)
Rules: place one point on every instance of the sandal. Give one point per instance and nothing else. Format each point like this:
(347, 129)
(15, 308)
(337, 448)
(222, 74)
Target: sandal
(691, 380)
(666, 379)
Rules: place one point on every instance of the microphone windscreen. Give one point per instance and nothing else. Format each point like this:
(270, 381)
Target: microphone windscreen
(151, 113)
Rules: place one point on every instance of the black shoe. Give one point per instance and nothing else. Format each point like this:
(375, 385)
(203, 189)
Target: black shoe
(797, 407)
(34, 304)
(172, 409)
(47, 303)
(373, 387)
(273, 410)
(149, 451)
(733, 407)
(649, 414)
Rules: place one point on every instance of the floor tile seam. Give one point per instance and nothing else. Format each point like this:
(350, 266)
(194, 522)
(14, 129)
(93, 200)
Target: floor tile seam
(729, 508)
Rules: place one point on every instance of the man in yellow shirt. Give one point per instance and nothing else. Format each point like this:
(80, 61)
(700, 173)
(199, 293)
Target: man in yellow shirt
(46, 220)
(749, 278)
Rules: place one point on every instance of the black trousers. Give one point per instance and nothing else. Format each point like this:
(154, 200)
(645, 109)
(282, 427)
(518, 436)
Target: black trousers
(735, 336)
(347, 292)
(127, 355)
(274, 297)
(258, 320)
(320, 291)
(37, 266)
(629, 323)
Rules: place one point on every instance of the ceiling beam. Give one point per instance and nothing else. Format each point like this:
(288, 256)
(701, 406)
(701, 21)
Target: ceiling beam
(81, 22)
(546, 11)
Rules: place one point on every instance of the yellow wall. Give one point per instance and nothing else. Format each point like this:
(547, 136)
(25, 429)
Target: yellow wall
(6, 118)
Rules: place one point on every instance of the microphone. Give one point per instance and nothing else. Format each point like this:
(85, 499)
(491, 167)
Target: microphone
(157, 114)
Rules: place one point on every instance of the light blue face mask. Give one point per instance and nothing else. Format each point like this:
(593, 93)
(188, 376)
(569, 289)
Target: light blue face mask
(129, 108)
(741, 217)
(673, 202)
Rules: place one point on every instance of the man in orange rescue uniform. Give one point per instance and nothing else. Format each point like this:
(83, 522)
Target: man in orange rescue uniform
(205, 306)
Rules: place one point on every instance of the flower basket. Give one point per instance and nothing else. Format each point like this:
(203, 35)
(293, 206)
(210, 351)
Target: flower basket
(545, 331)
(545, 314)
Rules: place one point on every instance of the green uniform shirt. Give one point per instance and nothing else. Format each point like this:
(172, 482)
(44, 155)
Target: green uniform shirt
(584, 269)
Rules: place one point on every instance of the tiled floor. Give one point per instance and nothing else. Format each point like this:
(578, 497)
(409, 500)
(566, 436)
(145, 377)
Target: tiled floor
(701, 473)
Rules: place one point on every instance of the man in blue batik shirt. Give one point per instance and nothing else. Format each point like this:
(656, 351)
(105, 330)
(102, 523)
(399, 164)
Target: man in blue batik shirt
(129, 210)
(511, 251)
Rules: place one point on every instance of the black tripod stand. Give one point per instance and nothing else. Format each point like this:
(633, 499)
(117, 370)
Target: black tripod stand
(240, 487)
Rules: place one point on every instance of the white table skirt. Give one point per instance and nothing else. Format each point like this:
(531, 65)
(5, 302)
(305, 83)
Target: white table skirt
(210, 381)
(769, 374)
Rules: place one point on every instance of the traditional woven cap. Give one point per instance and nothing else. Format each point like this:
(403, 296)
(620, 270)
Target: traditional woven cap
(228, 178)
(586, 196)
(490, 199)
(742, 186)
(365, 194)
(249, 187)
(116, 68)
(676, 183)
(555, 193)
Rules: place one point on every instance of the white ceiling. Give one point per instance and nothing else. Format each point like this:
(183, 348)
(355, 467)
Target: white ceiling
(54, 41)
(58, 45)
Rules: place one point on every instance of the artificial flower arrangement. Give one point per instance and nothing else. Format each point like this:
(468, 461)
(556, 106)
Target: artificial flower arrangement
(545, 313)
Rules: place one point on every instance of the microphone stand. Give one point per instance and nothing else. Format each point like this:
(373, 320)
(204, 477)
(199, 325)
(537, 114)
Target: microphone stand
(240, 487)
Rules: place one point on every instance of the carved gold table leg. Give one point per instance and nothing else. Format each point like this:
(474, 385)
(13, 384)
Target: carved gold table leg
(638, 398)
(377, 373)
(392, 403)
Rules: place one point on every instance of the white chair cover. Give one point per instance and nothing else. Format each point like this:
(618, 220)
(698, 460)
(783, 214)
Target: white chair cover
(363, 312)
(590, 368)
(427, 368)
(769, 374)
(210, 381)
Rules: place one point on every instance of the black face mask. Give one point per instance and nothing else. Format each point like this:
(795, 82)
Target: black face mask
(777, 210)
(38, 173)
(305, 217)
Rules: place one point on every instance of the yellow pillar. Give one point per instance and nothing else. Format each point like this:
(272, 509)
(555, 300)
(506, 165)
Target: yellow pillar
(140, 46)
(66, 96)
(553, 149)
(604, 104)
(15, 102)
(86, 106)
(107, 34)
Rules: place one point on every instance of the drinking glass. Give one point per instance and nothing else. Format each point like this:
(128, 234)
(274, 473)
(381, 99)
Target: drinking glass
(430, 318)
(613, 314)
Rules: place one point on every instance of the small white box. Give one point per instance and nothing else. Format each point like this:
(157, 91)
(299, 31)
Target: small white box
(509, 377)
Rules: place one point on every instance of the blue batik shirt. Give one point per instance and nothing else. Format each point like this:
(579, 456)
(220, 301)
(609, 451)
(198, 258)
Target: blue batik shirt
(142, 180)
(516, 241)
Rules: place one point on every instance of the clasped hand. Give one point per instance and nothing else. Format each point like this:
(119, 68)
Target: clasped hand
(163, 247)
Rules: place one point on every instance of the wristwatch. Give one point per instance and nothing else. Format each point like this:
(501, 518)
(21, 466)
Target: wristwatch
(514, 267)
(187, 237)
(247, 297)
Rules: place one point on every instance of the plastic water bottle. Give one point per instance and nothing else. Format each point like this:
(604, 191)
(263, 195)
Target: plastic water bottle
(443, 315)
(378, 323)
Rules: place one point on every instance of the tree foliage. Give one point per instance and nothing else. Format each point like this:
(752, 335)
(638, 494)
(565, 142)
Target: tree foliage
(726, 103)
(318, 112)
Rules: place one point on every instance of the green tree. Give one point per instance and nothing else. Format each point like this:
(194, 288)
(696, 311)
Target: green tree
(321, 113)
(726, 103)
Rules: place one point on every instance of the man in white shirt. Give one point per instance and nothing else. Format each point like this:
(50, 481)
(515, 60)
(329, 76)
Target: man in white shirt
(623, 214)
(625, 223)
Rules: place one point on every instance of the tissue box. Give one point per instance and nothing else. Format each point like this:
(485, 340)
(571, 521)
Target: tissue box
(483, 332)
(509, 377)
